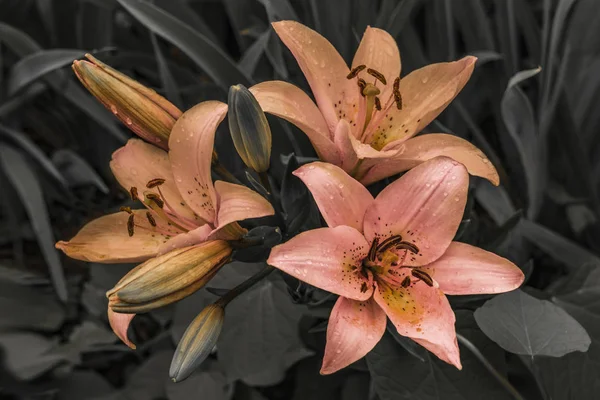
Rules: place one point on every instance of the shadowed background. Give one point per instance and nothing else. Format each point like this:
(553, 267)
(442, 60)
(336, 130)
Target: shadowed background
(538, 127)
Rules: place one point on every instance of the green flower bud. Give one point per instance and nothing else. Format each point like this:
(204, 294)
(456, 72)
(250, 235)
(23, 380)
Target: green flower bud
(197, 342)
(249, 129)
(168, 278)
(141, 109)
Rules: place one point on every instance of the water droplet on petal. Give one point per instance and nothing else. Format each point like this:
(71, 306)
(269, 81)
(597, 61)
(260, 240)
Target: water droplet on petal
(114, 110)
(128, 121)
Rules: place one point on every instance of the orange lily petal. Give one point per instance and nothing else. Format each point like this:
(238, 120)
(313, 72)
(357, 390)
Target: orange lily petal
(186, 239)
(422, 313)
(237, 203)
(466, 269)
(378, 50)
(422, 148)
(326, 258)
(191, 146)
(292, 104)
(324, 69)
(343, 139)
(341, 199)
(119, 324)
(106, 239)
(354, 329)
(138, 162)
(425, 93)
(425, 207)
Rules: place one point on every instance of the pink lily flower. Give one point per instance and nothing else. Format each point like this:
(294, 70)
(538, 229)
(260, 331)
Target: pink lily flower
(392, 255)
(365, 117)
(183, 206)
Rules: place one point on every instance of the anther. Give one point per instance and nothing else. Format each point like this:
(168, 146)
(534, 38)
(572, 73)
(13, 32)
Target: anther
(389, 242)
(407, 246)
(363, 287)
(133, 193)
(362, 84)
(126, 209)
(377, 104)
(355, 71)
(406, 282)
(397, 96)
(156, 199)
(155, 182)
(130, 225)
(378, 75)
(373, 249)
(423, 276)
(150, 218)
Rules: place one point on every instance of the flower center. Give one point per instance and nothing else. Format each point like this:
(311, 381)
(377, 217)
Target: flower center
(373, 105)
(385, 263)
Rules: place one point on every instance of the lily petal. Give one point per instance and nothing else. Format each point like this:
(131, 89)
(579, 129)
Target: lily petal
(425, 207)
(292, 104)
(422, 148)
(466, 269)
(237, 203)
(425, 93)
(324, 69)
(378, 50)
(119, 324)
(341, 199)
(326, 258)
(138, 162)
(343, 139)
(354, 329)
(191, 145)
(187, 239)
(422, 313)
(106, 239)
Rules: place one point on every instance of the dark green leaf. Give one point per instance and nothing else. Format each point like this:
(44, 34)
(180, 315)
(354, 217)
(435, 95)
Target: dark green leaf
(77, 170)
(25, 307)
(28, 355)
(168, 81)
(522, 324)
(209, 384)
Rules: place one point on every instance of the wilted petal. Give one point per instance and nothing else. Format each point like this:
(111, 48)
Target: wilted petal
(425, 147)
(120, 323)
(106, 239)
(191, 147)
(466, 269)
(425, 93)
(237, 203)
(341, 199)
(292, 104)
(324, 69)
(137, 163)
(354, 329)
(425, 207)
(378, 50)
(326, 258)
(422, 313)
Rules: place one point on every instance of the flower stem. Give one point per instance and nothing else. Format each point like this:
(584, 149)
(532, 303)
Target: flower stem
(242, 287)
(502, 380)
(224, 173)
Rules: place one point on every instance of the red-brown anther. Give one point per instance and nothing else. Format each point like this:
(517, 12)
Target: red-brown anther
(362, 84)
(407, 246)
(355, 71)
(373, 250)
(126, 209)
(423, 276)
(389, 243)
(155, 182)
(363, 287)
(378, 75)
(406, 282)
(396, 91)
(150, 218)
(133, 192)
(130, 225)
(156, 199)
(377, 104)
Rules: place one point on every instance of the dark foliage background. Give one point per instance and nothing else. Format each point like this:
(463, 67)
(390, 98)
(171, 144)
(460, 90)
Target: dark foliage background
(539, 128)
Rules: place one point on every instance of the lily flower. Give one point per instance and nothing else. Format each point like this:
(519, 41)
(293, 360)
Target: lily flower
(392, 255)
(366, 117)
(183, 206)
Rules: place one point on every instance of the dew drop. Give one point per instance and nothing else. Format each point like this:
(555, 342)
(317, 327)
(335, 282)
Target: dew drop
(114, 110)
(341, 185)
(425, 79)
(128, 121)
(445, 194)
(485, 160)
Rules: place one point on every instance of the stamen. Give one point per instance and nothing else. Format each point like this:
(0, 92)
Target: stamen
(373, 249)
(407, 246)
(156, 199)
(406, 282)
(150, 218)
(397, 96)
(389, 242)
(133, 193)
(126, 209)
(423, 276)
(362, 84)
(378, 75)
(355, 71)
(155, 182)
(364, 287)
(377, 104)
(130, 225)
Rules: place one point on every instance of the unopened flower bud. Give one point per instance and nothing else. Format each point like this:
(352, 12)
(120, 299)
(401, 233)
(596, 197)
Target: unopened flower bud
(141, 109)
(168, 278)
(197, 342)
(249, 129)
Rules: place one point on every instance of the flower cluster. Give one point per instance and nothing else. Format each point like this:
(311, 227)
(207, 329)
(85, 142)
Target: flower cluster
(390, 256)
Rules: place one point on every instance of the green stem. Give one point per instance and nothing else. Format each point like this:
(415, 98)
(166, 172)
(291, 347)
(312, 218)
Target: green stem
(501, 379)
(224, 173)
(264, 180)
(242, 287)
